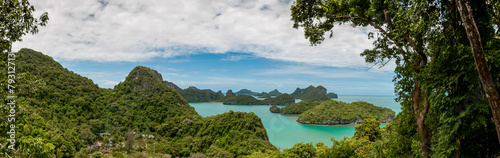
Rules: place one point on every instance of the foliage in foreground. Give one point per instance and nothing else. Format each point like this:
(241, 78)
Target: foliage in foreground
(445, 112)
(363, 144)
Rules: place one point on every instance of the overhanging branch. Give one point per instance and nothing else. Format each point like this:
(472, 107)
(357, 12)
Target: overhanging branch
(403, 53)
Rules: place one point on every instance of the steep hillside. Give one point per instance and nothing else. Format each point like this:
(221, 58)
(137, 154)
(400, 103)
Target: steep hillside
(148, 101)
(58, 110)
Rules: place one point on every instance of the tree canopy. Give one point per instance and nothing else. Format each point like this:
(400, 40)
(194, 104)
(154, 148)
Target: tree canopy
(17, 20)
(436, 77)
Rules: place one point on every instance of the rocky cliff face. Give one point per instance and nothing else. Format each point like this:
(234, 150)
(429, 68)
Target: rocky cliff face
(172, 85)
(146, 79)
(388, 119)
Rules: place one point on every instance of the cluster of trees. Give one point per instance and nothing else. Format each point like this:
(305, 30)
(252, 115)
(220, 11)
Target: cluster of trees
(236, 133)
(283, 99)
(313, 93)
(64, 115)
(447, 72)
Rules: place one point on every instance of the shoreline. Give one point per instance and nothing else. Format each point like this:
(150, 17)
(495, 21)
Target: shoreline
(355, 123)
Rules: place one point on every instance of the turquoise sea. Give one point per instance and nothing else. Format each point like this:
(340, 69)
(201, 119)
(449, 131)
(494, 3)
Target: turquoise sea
(284, 132)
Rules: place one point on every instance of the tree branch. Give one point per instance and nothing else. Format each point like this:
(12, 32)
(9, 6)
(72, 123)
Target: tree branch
(403, 53)
(388, 19)
(492, 9)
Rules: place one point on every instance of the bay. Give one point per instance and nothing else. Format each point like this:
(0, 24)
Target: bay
(284, 132)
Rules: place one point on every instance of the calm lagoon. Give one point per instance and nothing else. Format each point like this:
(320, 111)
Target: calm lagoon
(284, 132)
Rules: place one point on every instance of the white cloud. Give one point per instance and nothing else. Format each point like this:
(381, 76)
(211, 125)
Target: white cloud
(141, 30)
(236, 57)
(108, 83)
(102, 74)
(327, 72)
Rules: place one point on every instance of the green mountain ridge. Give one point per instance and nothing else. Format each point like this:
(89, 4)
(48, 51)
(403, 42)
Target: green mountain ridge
(65, 114)
(275, 92)
(313, 93)
(246, 92)
(193, 94)
(284, 99)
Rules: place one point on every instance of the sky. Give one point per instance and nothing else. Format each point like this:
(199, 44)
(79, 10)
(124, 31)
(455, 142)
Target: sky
(210, 44)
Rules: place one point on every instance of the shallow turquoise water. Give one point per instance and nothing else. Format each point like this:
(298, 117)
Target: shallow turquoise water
(284, 132)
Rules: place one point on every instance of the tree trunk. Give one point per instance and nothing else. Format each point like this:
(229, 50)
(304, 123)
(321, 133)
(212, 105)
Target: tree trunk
(420, 113)
(420, 117)
(482, 67)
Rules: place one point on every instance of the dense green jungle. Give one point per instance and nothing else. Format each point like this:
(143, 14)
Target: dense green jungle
(445, 56)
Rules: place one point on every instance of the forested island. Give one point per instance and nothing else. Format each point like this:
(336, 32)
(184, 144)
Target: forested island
(245, 96)
(334, 112)
(313, 93)
(297, 108)
(274, 97)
